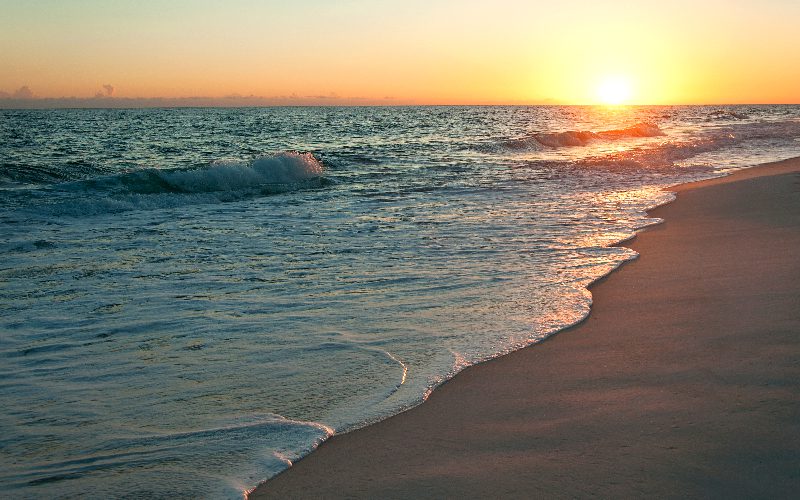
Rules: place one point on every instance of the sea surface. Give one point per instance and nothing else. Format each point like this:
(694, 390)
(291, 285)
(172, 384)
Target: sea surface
(191, 299)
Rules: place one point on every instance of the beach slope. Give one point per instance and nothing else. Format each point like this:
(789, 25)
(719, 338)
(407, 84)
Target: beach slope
(683, 381)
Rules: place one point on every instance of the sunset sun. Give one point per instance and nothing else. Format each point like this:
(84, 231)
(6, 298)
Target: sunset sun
(614, 90)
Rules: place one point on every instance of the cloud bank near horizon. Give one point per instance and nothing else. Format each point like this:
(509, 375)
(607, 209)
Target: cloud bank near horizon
(25, 98)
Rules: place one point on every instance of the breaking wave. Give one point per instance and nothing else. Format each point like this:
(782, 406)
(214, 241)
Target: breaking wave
(572, 138)
(724, 114)
(151, 189)
(669, 157)
(266, 174)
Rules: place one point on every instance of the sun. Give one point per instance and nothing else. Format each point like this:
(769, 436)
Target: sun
(614, 90)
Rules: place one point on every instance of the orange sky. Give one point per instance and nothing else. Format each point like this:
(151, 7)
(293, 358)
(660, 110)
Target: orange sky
(412, 51)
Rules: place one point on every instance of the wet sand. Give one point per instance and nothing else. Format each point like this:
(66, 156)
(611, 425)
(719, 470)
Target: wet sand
(683, 381)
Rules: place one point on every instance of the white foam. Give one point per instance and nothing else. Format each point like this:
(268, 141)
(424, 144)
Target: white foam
(279, 169)
(153, 189)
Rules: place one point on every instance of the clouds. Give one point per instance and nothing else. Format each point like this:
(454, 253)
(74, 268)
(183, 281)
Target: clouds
(107, 91)
(105, 97)
(22, 93)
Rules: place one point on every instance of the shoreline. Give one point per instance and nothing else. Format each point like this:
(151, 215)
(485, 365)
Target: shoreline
(661, 390)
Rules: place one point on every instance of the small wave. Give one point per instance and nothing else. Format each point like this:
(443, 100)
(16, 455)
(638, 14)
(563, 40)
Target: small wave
(573, 138)
(152, 189)
(265, 174)
(16, 174)
(638, 130)
(724, 114)
(290, 439)
(674, 156)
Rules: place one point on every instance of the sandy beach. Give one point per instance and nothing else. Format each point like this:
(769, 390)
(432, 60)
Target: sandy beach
(683, 382)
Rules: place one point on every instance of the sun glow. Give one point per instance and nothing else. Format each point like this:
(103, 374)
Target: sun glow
(614, 90)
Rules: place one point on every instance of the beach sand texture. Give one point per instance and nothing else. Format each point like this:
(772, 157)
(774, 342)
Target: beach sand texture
(683, 382)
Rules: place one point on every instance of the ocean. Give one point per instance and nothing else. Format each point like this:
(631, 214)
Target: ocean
(191, 299)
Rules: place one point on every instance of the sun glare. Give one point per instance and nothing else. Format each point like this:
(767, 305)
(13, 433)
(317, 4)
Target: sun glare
(614, 91)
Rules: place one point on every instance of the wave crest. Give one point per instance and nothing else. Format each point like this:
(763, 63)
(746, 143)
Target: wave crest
(152, 189)
(274, 173)
(572, 138)
(724, 114)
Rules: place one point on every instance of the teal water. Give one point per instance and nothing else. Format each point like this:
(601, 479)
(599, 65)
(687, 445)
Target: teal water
(190, 299)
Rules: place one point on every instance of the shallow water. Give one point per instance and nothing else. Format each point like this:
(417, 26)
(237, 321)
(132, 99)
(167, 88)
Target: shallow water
(187, 304)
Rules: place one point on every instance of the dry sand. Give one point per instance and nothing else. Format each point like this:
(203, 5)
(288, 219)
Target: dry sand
(683, 382)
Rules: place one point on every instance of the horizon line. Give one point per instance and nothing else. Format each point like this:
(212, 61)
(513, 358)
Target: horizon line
(111, 102)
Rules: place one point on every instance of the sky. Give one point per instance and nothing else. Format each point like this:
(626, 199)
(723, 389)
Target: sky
(402, 52)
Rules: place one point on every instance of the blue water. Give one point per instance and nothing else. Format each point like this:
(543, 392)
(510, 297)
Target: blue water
(190, 299)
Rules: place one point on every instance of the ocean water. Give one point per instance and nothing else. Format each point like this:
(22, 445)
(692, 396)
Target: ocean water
(190, 299)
